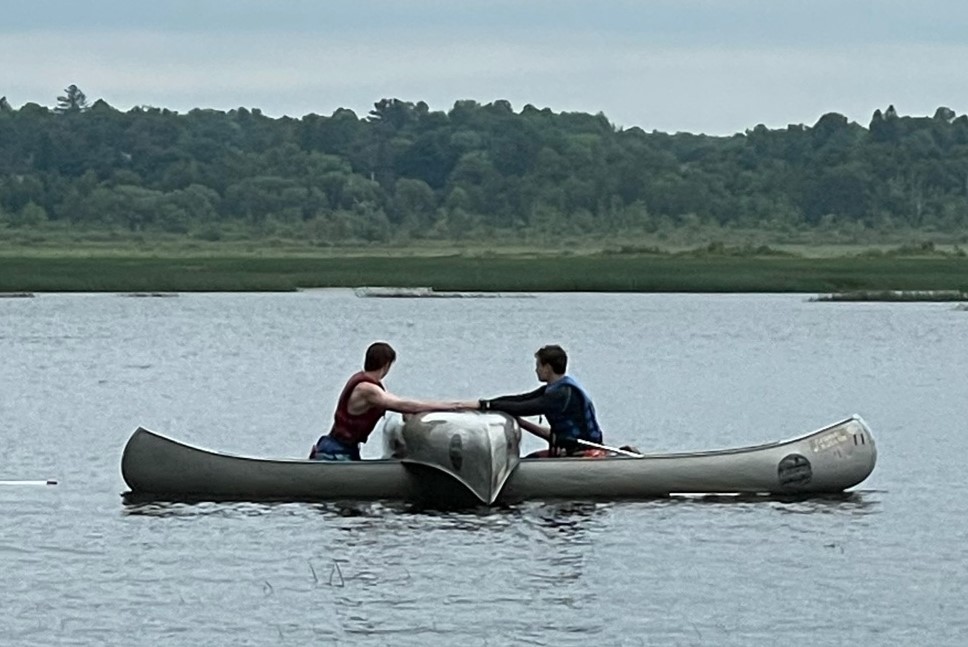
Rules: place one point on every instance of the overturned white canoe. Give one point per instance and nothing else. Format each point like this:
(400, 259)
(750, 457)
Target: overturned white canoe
(478, 450)
(826, 461)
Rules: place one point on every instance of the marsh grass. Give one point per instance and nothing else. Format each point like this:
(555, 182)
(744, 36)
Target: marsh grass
(598, 272)
(61, 259)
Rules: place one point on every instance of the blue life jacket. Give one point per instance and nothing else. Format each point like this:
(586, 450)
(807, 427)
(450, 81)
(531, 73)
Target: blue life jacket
(564, 428)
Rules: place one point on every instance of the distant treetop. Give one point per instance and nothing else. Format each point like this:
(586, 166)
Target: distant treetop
(73, 100)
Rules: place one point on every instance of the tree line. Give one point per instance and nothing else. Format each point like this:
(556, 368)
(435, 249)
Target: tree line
(403, 170)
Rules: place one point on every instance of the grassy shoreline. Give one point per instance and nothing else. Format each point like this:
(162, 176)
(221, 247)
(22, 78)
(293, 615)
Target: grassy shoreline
(482, 270)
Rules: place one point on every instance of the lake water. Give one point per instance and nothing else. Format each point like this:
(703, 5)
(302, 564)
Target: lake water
(258, 374)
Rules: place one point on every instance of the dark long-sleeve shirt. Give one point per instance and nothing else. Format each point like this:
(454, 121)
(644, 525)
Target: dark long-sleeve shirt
(570, 416)
(536, 403)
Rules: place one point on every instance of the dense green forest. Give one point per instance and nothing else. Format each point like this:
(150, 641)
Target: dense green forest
(405, 172)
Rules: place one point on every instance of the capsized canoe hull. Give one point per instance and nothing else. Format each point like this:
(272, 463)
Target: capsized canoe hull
(477, 450)
(829, 460)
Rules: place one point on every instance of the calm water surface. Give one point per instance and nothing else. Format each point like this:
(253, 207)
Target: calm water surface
(258, 374)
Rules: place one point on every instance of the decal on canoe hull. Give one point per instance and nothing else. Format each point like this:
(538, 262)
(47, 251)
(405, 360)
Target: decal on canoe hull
(794, 472)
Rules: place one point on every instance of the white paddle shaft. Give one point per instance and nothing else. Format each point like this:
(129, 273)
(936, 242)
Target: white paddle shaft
(47, 482)
(616, 450)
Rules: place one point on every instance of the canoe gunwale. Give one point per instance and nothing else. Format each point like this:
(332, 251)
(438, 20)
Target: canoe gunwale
(713, 452)
(685, 454)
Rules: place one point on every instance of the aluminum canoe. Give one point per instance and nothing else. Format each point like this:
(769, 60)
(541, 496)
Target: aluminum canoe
(829, 460)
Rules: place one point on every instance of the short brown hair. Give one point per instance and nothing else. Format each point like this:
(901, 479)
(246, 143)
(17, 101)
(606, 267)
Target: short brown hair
(379, 355)
(554, 356)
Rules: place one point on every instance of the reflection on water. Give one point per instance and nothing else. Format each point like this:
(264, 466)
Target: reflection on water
(564, 536)
(552, 519)
(566, 517)
(150, 508)
(856, 503)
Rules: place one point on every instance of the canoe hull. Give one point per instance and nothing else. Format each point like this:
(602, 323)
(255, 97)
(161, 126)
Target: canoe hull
(477, 450)
(164, 468)
(829, 460)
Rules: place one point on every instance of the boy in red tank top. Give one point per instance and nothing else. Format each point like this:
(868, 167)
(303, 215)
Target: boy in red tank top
(363, 402)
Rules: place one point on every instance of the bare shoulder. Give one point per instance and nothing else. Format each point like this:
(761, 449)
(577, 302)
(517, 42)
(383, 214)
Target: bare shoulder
(369, 391)
(367, 386)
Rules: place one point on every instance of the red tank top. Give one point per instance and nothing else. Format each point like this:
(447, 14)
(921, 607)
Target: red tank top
(354, 429)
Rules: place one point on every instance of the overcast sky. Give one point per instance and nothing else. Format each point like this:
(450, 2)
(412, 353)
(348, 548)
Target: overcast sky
(713, 66)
